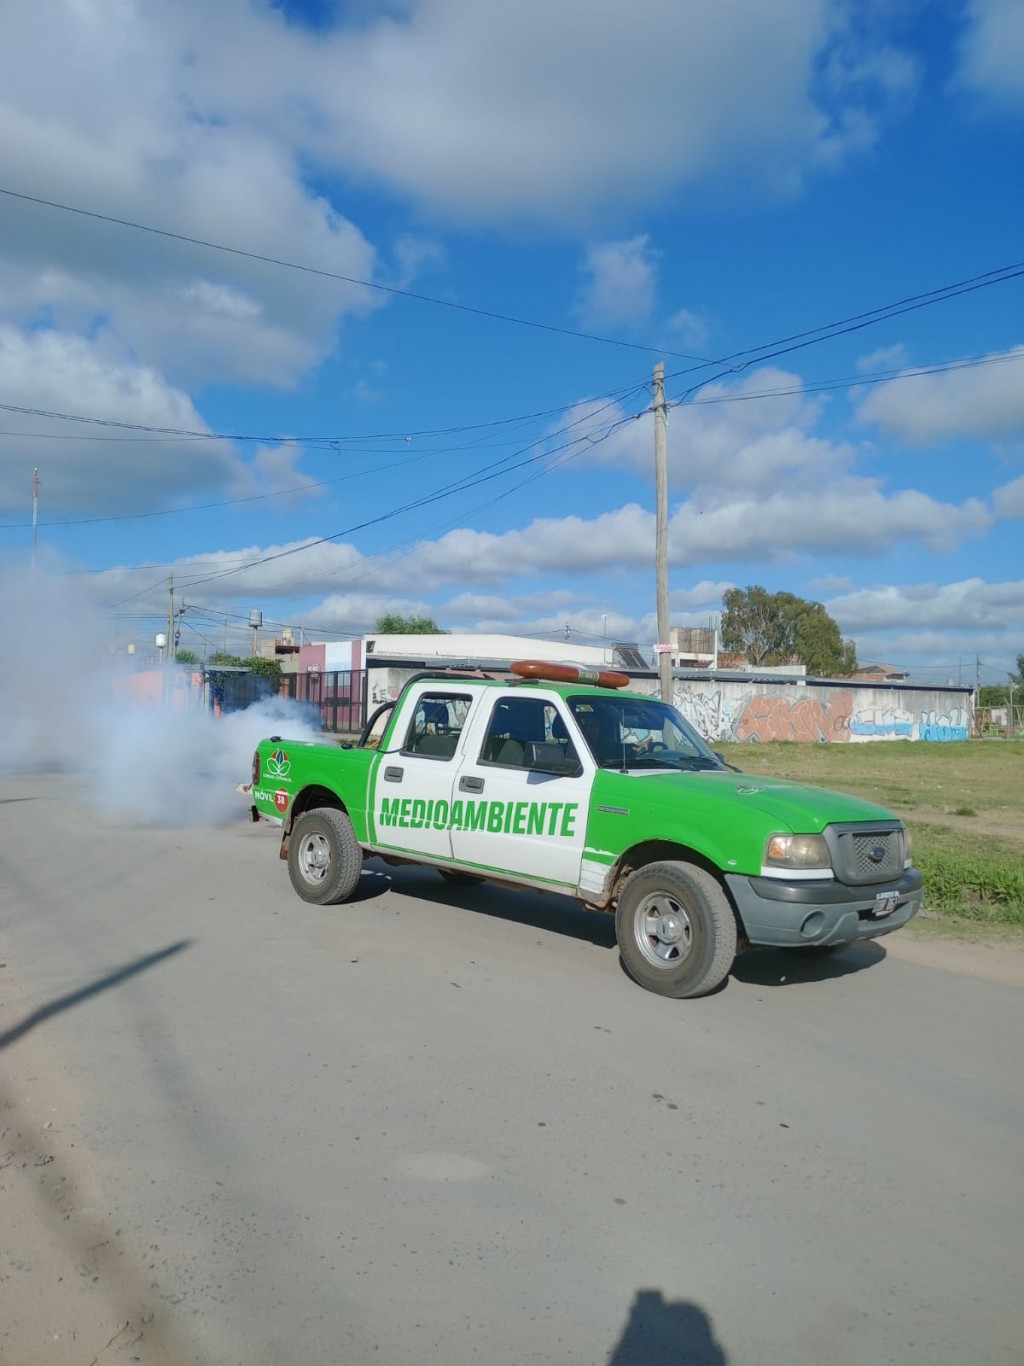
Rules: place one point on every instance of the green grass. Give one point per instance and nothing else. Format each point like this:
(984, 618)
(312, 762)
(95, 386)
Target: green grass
(974, 871)
(970, 877)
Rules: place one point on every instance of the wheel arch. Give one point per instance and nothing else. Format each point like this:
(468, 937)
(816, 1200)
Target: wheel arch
(305, 800)
(661, 851)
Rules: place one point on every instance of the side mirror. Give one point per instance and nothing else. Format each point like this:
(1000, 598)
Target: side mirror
(541, 757)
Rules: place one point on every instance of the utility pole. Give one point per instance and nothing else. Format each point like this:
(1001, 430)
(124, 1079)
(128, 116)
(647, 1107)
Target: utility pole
(661, 534)
(35, 515)
(170, 616)
(1009, 709)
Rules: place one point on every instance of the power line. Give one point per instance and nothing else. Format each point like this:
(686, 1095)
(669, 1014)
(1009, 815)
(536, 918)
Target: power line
(756, 355)
(856, 381)
(815, 387)
(325, 441)
(345, 279)
(494, 471)
(829, 331)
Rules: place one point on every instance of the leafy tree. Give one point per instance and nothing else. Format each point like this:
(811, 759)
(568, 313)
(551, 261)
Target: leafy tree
(774, 628)
(392, 624)
(819, 644)
(267, 668)
(753, 624)
(186, 657)
(998, 694)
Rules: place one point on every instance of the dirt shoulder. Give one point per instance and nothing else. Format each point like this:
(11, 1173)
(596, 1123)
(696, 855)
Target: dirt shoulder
(934, 944)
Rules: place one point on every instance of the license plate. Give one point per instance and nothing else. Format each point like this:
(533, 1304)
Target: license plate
(885, 904)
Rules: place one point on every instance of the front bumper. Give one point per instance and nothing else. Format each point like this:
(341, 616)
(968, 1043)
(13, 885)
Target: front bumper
(795, 914)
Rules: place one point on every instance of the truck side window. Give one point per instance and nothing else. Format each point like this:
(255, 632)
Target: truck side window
(515, 722)
(436, 725)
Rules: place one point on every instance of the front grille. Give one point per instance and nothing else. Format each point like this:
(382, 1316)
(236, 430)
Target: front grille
(864, 855)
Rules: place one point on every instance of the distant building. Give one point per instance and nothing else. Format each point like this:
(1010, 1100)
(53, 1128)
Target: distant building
(284, 648)
(694, 647)
(880, 673)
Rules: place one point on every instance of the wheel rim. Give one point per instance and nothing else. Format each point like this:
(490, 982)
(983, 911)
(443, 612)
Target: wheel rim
(315, 858)
(663, 930)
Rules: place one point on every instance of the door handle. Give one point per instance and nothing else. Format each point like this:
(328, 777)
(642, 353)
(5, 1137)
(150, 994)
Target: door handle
(471, 784)
(393, 775)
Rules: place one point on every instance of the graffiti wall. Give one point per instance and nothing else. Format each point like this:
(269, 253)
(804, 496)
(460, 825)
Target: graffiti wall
(776, 710)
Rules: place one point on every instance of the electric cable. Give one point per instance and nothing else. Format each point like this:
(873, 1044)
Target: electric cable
(346, 279)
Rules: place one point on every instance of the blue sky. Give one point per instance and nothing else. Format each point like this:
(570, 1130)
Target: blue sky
(672, 179)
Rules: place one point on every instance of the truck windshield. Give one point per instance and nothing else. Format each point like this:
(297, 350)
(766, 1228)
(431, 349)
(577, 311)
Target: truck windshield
(625, 732)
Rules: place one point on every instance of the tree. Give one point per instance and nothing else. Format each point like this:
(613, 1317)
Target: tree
(187, 657)
(998, 694)
(753, 624)
(266, 668)
(392, 624)
(775, 628)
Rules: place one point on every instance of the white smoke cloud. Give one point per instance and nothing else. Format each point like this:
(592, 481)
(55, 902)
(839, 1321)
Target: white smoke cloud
(139, 747)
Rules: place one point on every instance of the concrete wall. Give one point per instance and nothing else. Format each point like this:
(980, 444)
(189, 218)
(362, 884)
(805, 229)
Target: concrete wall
(740, 708)
(734, 709)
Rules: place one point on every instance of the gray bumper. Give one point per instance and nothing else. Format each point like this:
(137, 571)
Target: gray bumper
(791, 914)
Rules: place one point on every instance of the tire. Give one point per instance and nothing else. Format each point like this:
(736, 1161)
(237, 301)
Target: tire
(675, 929)
(324, 857)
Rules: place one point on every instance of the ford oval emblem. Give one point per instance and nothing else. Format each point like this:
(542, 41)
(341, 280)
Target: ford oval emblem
(876, 853)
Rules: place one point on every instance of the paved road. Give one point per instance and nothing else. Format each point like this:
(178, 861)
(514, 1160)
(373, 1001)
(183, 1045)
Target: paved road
(441, 1125)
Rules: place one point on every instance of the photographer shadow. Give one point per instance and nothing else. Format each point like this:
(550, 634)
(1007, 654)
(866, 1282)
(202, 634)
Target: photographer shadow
(662, 1332)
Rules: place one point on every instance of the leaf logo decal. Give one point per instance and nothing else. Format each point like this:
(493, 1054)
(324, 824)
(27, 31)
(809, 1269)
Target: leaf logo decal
(278, 764)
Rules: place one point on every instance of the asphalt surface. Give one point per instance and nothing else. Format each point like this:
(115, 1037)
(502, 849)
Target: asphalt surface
(441, 1125)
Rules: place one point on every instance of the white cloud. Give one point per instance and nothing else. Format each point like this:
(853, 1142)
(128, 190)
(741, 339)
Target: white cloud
(620, 280)
(533, 110)
(726, 438)
(965, 606)
(150, 113)
(887, 358)
(992, 51)
(475, 605)
(853, 517)
(830, 583)
(1008, 501)
(692, 329)
(938, 630)
(88, 468)
(979, 401)
(101, 110)
(704, 595)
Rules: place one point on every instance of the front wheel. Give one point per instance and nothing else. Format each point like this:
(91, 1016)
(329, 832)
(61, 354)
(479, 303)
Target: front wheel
(324, 857)
(675, 929)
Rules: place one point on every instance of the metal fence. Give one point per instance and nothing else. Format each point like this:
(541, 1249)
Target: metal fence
(338, 695)
(236, 689)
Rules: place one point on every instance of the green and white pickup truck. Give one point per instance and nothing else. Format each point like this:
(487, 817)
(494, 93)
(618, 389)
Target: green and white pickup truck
(603, 795)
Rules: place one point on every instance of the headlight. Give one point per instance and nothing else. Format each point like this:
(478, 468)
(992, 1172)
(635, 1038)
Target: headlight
(798, 852)
(907, 860)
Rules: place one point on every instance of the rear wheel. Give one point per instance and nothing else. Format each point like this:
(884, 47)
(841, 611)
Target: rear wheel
(324, 857)
(675, 929)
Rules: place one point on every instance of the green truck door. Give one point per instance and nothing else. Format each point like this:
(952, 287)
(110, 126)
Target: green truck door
(510, 818)
(413, 778)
